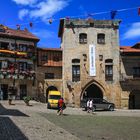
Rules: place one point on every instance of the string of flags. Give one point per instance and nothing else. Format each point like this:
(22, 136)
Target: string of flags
(113, 14)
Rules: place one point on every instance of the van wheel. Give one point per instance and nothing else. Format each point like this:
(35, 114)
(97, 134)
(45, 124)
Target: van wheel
(48, 106)
(93, 108)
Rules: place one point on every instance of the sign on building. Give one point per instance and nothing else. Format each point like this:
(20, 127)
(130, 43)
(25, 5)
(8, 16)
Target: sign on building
(92, 66)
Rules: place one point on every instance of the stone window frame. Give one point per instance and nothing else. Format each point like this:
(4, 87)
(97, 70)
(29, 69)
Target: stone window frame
(75, 70)
(109, 70)
(101, 38)
(83, 38)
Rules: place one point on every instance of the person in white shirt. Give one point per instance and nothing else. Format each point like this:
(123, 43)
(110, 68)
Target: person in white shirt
(89, 105)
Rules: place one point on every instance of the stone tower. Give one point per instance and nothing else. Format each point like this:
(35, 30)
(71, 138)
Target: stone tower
(90, 60)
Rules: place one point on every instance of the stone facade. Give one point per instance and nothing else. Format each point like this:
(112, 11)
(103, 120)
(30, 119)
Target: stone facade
(130, 77)
(69, 32)
(48, 72)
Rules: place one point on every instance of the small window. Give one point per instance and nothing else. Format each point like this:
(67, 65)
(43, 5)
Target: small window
(108, 61)
(109, 70)
(75, 60)
(82, 38)
(101, 38)
(101, 57)
(75, 73)
(136, 72)
(49, 75)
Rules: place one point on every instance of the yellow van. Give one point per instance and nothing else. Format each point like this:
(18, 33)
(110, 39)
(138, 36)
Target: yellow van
(53, 97)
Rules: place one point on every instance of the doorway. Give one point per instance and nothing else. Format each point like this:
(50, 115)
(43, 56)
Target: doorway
(48, 89)
(4, 89)
(134, 99)
(93, 91)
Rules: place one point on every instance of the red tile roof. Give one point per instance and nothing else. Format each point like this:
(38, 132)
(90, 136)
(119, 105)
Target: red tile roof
(129, 49)
(12, 33)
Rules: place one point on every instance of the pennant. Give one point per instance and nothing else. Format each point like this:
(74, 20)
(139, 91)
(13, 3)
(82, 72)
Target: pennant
(50, 21)
(139, 11)
(67, 18)
(31, 24)
(18, 27)
(113, 14)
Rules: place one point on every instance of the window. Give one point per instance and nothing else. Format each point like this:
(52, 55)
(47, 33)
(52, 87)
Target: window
(75, 73)
(49, 75)
(4, 45)
(56, 58)
(22, 66)
(136, 72)
(101, 38)
(44, 58)
(101, 57)
(75, 60)
(82, 38)
(109, 70)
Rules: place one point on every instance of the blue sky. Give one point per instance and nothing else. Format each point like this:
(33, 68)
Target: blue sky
(38, 12)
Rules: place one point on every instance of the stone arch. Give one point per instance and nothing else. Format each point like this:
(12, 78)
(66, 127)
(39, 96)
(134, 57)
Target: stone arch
(92, 89)
(48, 89)
(134, 99)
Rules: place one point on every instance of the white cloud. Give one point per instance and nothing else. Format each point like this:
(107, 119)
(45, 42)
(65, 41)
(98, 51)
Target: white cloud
(41, 9)
(48, 8)
(25, 2)
(133, 31)
(22, 13)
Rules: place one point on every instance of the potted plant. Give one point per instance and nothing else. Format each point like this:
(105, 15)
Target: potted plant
(27, 99)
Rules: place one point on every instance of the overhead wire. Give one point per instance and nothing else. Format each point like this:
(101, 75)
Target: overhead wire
(77, 16)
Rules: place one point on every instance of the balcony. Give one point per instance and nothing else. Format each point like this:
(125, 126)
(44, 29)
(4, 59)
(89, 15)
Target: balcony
(7, 74)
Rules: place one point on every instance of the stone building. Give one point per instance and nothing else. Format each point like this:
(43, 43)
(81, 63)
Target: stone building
(130, 76)
(17, 61)
(48, 72)
(91, 60)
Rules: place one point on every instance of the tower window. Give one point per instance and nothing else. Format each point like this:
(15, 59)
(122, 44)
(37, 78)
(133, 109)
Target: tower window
(101, 38)
(82, 38)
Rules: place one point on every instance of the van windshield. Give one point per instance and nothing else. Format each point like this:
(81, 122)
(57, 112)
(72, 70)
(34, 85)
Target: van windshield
(54, 96)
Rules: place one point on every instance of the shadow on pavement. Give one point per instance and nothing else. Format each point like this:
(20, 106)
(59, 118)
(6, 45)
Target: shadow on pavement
(9, 131)
(11, 112)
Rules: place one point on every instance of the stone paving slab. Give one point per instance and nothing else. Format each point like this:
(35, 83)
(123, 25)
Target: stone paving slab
(30, 126)
(21, 122)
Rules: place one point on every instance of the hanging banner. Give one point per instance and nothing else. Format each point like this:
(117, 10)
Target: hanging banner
(92, 66)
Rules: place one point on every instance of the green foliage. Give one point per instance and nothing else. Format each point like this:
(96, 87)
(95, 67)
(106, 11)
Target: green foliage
(27, 99)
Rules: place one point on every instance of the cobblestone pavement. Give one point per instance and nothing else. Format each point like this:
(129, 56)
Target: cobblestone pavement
(21, 122)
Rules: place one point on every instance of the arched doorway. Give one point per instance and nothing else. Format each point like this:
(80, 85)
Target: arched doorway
(134, 99)
(93, 91)
(48, 89)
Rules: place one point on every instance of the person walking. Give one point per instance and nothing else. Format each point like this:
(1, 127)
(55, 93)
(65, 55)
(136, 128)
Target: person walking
(89, 105)
(60, 106)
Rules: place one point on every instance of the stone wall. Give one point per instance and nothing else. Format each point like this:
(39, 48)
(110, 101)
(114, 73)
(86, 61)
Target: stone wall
(72, 49)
